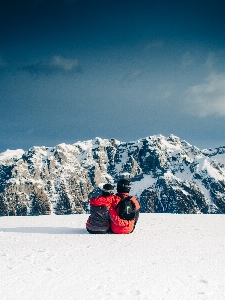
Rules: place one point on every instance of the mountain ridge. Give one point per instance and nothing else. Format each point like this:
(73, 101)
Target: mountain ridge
(168, 175)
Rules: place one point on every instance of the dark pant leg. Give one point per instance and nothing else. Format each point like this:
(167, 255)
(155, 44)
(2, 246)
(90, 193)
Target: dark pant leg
(96, 232)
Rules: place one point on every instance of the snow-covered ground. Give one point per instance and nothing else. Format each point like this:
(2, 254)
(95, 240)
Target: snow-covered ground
(166, 257)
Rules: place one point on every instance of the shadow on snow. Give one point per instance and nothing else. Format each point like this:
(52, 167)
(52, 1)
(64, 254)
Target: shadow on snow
(46, 230)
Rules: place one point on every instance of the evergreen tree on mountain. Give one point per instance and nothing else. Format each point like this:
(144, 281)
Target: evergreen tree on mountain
(3, 206)
(40, 203)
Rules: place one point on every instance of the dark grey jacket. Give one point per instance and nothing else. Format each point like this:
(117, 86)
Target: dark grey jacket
(98, 219)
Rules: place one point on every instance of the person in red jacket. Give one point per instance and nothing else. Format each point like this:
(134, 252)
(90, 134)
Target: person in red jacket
(119, 225)
(99, 220)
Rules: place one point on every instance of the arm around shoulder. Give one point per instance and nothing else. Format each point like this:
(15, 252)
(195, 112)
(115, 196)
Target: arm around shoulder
(101, 201)
(116, 219)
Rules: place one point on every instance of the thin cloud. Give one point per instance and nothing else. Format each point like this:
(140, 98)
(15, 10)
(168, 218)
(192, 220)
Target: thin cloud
(154, 45)
(187, 60)
(210, 60)
(56, 65)
(165, 91)
(133, 75)
(207, 98)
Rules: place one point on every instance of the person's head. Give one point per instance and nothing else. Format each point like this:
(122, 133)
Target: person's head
(123, 186)
(108, 189)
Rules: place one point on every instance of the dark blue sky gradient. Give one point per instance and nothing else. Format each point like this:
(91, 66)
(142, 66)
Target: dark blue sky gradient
(75, 69)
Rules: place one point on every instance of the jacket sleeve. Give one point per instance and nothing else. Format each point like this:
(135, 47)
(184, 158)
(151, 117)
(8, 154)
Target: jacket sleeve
(100, 201)
(116, 219)
(136, 216)
(136, 203)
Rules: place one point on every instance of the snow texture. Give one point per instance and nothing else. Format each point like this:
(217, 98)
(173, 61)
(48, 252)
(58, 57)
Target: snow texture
(167, 257)
(9, 154)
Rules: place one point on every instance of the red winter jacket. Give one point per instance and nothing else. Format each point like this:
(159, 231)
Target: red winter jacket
(102, 201)
(119, 225)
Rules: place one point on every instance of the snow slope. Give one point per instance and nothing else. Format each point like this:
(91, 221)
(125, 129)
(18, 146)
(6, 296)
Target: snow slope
(166, 257)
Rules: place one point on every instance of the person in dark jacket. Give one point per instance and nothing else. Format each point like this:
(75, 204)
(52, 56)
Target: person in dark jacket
(119, 225)
(99, 220)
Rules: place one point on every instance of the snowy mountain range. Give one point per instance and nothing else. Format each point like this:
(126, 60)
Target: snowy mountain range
(168, 176)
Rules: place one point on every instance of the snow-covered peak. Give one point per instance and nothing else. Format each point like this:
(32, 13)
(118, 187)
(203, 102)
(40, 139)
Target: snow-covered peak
(11, 154)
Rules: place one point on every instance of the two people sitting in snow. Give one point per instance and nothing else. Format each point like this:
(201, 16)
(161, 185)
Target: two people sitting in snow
(113, 213)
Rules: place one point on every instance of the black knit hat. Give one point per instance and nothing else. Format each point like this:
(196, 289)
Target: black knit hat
(108, 189)
(123, 185)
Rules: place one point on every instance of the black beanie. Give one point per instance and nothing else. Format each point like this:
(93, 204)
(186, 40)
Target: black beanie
(123, 186)
(108, 189)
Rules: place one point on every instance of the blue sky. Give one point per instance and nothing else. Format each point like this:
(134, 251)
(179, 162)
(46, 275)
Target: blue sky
(76, 69)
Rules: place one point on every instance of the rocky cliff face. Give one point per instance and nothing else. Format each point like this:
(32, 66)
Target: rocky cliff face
(168, 175)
